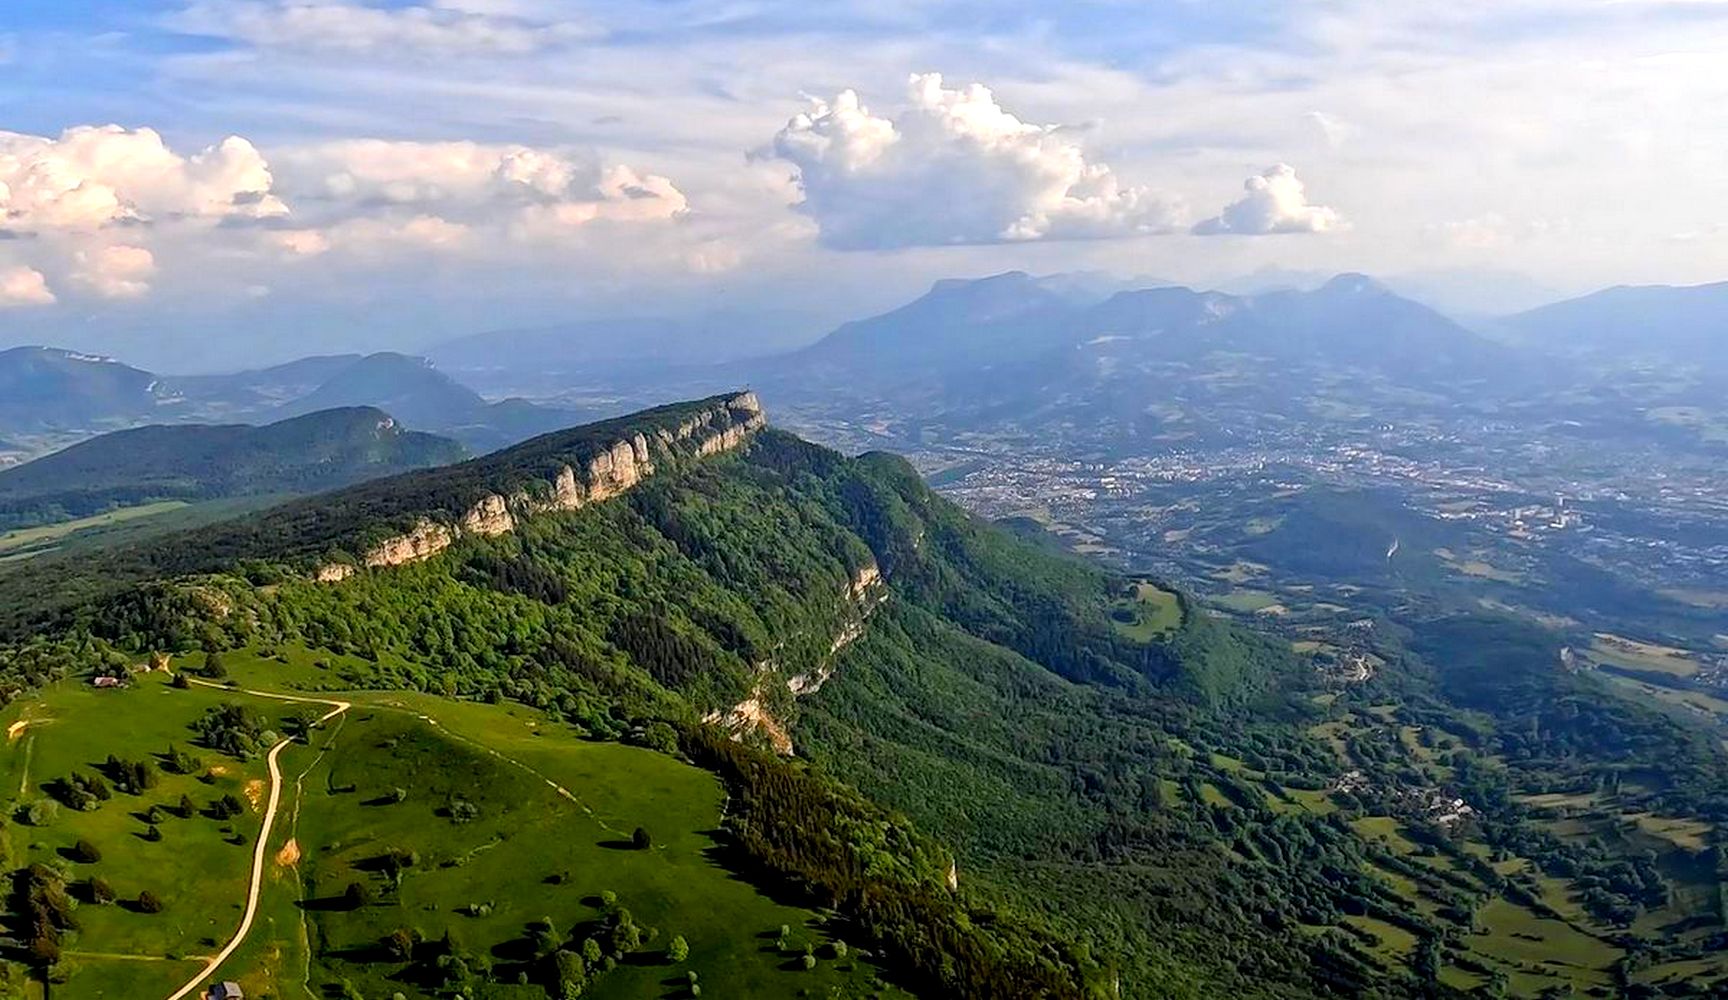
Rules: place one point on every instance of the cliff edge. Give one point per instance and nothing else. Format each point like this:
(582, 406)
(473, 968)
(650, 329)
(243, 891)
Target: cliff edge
(564, 471)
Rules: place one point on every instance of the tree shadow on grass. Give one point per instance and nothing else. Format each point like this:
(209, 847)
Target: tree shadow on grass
(327, 904)
(132, 906)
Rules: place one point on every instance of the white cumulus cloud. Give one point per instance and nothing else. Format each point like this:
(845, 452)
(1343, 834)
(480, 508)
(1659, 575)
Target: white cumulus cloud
(952, 166)
(1276, 202)
(119, 271)
(94, 176)
(23, 286)
(339, 28)
(536, 191)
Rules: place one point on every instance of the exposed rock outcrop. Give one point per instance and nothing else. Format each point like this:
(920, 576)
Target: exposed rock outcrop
(612, 470)
(750, 715)
(426, 540)
(864, 593)
(860, 598)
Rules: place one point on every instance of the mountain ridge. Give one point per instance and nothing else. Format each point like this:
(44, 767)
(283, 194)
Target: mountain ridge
(305, 454)
(1686, 323)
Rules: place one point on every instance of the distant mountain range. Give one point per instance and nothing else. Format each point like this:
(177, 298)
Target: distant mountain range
(58, 396)
(1686, 324)
(1141, 358)
(306, 454)
(1152, 367)
(1350, 322)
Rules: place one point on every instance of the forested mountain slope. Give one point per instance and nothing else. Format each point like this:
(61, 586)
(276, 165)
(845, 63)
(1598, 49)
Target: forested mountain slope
(1053, 804)
(308, 454)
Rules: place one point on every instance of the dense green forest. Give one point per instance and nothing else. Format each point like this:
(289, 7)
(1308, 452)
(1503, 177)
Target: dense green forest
(992, 784)
(309, 454)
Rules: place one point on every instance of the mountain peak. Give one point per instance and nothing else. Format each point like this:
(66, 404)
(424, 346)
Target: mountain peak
(1353, 283)
(1006, 279)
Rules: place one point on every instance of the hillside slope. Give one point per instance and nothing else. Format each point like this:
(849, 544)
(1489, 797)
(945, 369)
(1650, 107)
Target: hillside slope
(1683, 324)
(754, 600)
(45, 388)
(308, 454)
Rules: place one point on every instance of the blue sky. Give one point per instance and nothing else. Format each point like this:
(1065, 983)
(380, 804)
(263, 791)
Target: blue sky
(401, 172)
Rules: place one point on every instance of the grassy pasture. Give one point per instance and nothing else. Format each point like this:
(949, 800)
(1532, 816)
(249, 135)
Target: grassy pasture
(200, 866)
(552, 825)
(1636, 655)
(1150, 613)
(1247, 601)
(33, 541)
(1538, 952)
(533, 853)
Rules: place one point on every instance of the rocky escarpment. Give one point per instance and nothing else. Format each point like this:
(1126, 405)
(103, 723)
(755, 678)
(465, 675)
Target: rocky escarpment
(610, 469)
(863, 594)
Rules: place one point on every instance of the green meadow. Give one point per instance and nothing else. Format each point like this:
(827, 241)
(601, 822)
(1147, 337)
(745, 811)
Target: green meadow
(1149, 612)
(487, 833)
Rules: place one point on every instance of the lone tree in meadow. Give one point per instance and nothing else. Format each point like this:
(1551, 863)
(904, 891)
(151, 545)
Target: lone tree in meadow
(641, 840)
(678, 950)
(357, 894)
(149, 902)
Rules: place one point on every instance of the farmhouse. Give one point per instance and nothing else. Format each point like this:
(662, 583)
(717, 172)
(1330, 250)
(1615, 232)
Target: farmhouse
(226, 991)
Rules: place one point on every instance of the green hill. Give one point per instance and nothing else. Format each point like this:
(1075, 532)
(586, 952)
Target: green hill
(937, 749)
(308, 454)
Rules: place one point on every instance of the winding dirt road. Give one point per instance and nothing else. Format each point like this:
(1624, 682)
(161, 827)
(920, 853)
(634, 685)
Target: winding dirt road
(260, 850)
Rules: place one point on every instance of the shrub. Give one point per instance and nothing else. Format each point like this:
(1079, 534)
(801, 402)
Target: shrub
(357, 894)
(572, 975)
(86, 852)
(149, 902)
(39, 813)
(399, 944)
(678, 950)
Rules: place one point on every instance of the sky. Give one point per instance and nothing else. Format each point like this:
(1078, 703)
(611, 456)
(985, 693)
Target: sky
(206, 184)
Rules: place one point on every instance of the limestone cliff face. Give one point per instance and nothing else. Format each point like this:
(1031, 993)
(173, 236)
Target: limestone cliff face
(864, 593)
(860, 598)
(427, 539)
(612, 470)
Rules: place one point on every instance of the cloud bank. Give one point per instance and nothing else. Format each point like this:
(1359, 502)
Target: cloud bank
(104, 209)
(23, 286)
(952, 166)
(119, 271)
(93, 176)
(530, 190)
(1276, 202)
